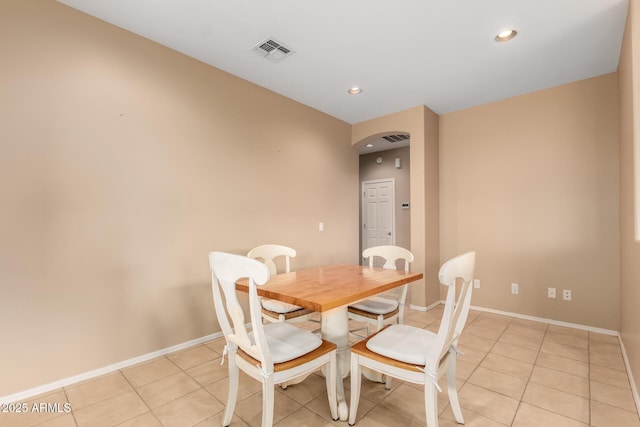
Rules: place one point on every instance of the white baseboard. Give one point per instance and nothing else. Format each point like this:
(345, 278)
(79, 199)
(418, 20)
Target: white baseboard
(421, 308)
(105, 370)
(140, 359)
(526, 317)
(544, 320)
(634, 389)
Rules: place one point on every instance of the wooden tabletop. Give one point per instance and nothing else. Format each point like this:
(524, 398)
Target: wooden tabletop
(325, 288)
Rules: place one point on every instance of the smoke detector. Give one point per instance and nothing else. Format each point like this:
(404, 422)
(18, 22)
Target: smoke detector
(272, 50)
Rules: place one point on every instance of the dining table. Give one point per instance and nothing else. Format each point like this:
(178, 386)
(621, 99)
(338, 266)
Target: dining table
(329, 290)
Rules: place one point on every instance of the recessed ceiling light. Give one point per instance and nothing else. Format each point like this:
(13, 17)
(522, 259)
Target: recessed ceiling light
(354, 90)
(506, 35)
(369, 145)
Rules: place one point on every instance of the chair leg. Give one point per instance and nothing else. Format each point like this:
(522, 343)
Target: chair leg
(232, 395)
(268, 396)
(387, 382)
(431, 403)
(330, 375)
(379, 323)
(453, 391)
(356, 380)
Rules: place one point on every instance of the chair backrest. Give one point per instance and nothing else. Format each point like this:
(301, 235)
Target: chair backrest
(458, 269)
(226, 270)
(267, 253)
(390, 254)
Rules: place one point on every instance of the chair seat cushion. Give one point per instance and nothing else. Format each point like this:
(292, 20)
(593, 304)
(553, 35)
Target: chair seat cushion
(403, 342)
(279, 306)
(288, 342)
(376, 306)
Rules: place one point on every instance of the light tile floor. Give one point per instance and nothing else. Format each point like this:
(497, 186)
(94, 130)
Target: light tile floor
(513, 373)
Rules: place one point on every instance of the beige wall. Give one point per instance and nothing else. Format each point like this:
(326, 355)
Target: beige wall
(629, 87)
(370, 170)
(422, 124)
(122, 164)
(531, 184)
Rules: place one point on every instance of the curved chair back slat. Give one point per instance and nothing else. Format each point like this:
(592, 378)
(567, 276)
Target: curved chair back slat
(390, 254)
(458, 270)
(226, 270)
(417, 355)
(275, 353)
(267, 253)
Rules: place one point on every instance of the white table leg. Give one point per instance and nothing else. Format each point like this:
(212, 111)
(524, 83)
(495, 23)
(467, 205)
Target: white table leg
(374, 376)
(335, 328)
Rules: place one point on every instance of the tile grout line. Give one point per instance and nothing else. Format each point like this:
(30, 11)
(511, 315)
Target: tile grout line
(553, 369)
(627, 375)
(496, 341)
(95, 379)
(589, 373)
(73, 415)
(138, 394)
(546, 329)
(133, 388)
(200, 386)
(539, 351)
(627, 366)
(60, 415)
(483, 358)
(588, 378)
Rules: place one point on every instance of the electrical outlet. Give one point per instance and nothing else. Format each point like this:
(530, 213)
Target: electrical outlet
(566, 294)
(476, 283)
(514, 289)
(551, 292)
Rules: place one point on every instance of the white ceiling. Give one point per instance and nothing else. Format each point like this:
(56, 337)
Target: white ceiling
(403, 53)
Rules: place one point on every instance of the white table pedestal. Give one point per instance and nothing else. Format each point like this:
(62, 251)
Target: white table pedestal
(335, 328)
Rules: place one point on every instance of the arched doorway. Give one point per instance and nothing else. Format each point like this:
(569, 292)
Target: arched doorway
(422, 125)
(385, 199)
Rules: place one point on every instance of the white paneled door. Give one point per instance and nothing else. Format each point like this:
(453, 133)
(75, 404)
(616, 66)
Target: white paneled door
(378, 214)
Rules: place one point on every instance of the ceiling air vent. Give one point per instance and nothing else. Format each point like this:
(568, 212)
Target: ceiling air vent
(396, 138)
(272, 50)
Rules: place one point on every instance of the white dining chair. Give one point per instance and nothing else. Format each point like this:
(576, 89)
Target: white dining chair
(417, 355)
(273, 310)
(271, 353)
(389, 306)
